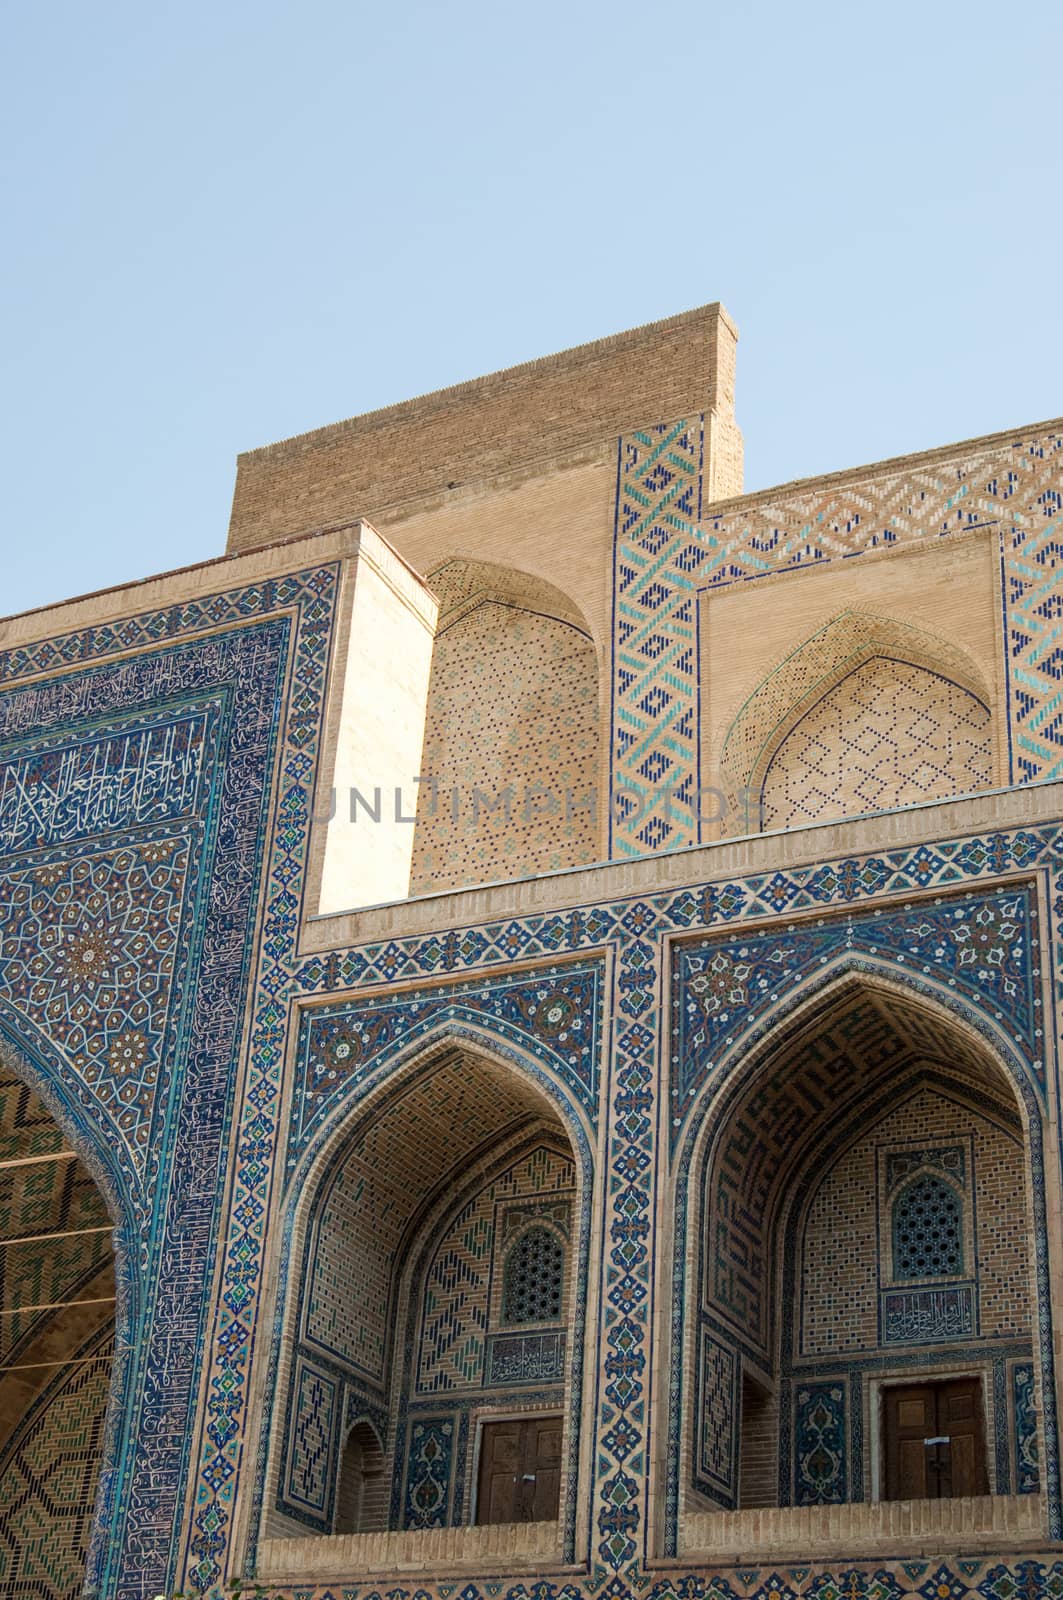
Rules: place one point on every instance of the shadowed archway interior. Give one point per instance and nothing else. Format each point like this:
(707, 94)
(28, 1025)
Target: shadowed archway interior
(57, 1323)
(438, 1286)
(863, 1222)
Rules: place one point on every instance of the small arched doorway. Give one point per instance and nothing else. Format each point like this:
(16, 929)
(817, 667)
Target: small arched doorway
(867, 1324)
(361, 1495)
(57, 1323)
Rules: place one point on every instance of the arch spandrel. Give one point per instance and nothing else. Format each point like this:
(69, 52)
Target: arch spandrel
(976, 955)
(548, 1023)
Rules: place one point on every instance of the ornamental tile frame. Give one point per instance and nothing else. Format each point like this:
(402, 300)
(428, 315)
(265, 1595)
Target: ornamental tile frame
(670, 548)
(642, 927)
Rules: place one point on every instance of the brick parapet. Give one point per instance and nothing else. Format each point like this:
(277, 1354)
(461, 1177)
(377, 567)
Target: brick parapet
(457, 437)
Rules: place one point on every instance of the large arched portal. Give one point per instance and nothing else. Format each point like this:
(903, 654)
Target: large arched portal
(432, 1349)
(865, 1322)
(57, 1320)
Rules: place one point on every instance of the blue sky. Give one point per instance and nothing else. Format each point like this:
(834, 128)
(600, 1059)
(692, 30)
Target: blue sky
(226, 224)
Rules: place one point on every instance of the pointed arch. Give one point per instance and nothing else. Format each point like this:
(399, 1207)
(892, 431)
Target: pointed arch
(512, 744)
(484, 1102)
(973, 1058)
(938, 738)
(67, 1354)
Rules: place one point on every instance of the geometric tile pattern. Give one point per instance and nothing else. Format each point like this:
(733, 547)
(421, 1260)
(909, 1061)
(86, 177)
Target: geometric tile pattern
(385, 1174)
(48, 1197)
(720, 1383)
(887, 735)
(48, 1477)
(657, 552)
(831, 1274)
(828, 1297)
(164, 817)
(93, 965)
(461, 1285)
(316, 1420)
(556, 1013)
(664, 554)
(150, 1477)
(853, 640)
(975, 947)
(636, 926)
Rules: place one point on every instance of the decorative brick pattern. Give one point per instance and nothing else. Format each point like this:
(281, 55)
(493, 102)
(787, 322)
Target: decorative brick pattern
(461, 1300)
(316, 1419)
(888, 735)
(510, 763)
(48, 1478)
(719, 1388)
(853, 642)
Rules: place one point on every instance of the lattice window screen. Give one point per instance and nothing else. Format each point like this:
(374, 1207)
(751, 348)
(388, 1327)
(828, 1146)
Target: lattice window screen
(534, 1277)
(927, 1230)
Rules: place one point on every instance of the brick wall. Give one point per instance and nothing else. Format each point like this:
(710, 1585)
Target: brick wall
(491, 425)
(846, 1245)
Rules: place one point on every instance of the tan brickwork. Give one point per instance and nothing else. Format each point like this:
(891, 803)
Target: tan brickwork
(510, 761)
(889, 734)
(474, 431)
(846, 1238)
(390, 1168)
(462, 1288)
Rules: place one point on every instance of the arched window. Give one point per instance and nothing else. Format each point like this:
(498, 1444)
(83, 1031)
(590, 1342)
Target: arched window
(533, 1278)
(927, 1230)
(360, 1506)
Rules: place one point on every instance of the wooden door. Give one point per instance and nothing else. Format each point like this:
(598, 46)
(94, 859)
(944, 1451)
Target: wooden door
(520, 1470)
(935, 1445)
(960, 1418)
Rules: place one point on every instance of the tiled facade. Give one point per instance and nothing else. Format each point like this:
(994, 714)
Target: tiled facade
(708, 1076)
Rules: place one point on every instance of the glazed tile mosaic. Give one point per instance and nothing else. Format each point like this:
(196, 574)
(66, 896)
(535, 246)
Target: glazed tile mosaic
(669, 549)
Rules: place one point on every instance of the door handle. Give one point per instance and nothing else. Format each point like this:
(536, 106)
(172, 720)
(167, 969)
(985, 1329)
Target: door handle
(529, 1477)
(941, 1438)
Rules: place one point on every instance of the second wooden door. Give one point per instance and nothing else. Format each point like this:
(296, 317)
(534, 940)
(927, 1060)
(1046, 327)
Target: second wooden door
(520, 1470)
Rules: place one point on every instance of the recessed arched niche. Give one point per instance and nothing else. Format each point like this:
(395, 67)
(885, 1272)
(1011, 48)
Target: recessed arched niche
(429, 1375)
(868, 714)
(57, 1339)
(856, 1285)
